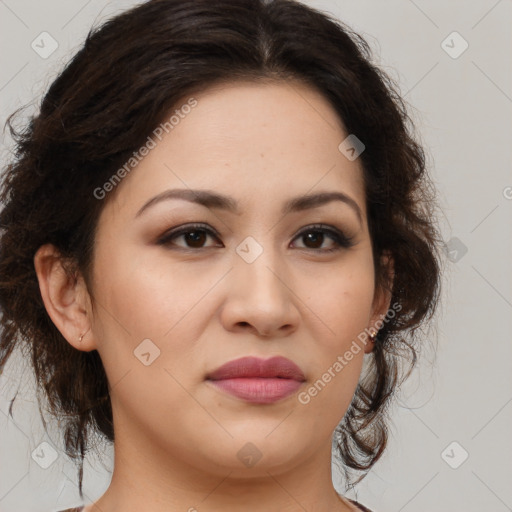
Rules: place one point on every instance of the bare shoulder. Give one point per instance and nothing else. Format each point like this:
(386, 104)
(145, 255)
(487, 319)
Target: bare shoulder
(358, 505)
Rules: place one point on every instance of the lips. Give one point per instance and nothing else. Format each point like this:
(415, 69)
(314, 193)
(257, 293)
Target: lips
(258, 380)
(252, 367)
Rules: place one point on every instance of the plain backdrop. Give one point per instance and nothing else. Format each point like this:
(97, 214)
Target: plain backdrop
(450, 447)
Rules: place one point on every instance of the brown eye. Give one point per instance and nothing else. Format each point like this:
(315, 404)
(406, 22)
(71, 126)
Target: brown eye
(195, 238)
(191, 236)
(313, 237)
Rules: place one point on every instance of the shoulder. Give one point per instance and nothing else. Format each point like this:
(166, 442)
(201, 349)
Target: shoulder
(362, 507)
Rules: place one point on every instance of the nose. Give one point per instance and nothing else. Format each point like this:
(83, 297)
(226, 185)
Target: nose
(260, 298)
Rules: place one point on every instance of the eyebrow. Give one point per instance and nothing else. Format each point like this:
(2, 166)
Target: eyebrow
(214, 200)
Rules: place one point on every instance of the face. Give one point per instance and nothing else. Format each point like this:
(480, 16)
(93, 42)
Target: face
(237, 266)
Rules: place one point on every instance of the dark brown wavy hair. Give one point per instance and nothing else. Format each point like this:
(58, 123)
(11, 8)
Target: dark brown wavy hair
(129, 73)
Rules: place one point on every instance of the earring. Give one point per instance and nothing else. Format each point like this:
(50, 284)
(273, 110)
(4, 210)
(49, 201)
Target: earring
(81, 337)
(373, 336)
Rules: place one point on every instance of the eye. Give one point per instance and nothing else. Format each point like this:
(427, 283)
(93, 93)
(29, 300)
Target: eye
(193, 236)
(314, 237)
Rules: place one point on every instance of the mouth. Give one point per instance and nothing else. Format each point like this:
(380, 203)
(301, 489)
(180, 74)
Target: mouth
(258, 380)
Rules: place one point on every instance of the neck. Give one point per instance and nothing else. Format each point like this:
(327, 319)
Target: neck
(146, 477)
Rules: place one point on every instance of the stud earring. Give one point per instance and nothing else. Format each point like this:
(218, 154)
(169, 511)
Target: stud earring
(81, 337)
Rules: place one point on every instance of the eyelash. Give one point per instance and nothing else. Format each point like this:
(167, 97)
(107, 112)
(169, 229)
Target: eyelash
(343, 241)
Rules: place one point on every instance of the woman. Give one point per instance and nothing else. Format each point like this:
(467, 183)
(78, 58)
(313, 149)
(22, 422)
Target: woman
(219, 243)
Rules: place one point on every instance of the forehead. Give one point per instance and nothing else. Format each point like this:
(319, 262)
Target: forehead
(259, 142)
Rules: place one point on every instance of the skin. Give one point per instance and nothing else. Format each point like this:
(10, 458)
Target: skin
(177, 436)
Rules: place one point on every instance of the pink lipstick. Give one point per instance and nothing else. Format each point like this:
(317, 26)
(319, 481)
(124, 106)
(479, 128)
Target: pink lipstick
(258, 380)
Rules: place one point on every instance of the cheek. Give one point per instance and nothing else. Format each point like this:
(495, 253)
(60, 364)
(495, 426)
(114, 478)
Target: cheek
(142, 295)
(340, 308)
(338, 356)
(341, 299)
(144, 310)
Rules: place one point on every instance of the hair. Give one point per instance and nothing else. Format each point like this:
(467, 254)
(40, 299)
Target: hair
(125, 79)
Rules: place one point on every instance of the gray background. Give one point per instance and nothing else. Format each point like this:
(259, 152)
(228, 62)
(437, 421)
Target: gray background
(462, 105)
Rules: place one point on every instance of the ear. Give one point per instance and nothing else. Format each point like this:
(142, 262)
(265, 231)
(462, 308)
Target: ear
(65, 297)
(381, 300)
